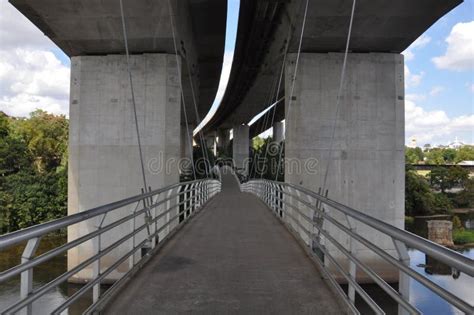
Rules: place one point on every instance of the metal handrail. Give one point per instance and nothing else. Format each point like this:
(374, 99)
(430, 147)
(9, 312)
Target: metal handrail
(281, 196)
(16, 237)
(186, 198)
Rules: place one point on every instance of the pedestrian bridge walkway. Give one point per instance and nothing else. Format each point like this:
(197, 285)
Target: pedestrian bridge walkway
(234, 256)
(218, 246)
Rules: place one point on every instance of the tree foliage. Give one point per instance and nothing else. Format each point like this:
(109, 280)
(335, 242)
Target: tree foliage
(420, 199)
(33, 169)
(443, 178)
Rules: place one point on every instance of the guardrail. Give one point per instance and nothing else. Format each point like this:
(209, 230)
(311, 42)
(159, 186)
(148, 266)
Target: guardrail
(154, 215)
(287, 201)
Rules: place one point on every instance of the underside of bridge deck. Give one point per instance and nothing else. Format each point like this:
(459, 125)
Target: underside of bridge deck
(234, 256)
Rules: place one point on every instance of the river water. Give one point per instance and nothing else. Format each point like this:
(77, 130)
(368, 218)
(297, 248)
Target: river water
(422, 298)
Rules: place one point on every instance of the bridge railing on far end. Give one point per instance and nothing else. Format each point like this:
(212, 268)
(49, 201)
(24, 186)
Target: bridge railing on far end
(312, 218)
(143, 223)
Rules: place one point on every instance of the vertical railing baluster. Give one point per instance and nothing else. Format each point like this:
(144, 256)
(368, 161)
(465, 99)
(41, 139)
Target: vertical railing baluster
(27, 276)
(167, 210)
(96, 265)
(404, 280)
(352, 266)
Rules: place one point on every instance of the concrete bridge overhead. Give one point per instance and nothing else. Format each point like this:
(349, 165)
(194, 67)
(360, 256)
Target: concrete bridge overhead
(265, 28)
(94, 28)
(356, 138)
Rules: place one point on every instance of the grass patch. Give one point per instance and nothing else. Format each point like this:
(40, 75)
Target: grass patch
(461, 237)
(423, 172)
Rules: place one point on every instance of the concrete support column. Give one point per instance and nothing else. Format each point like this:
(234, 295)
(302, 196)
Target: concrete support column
(104, 164)
(278, 132)
(366, 165)
(186, 148)
(240, 147)
(222, 139)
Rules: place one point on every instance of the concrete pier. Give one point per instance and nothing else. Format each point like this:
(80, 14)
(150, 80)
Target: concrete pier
(441, 232)
(104, 164)
(240, 147)
(278, 134)
(366, 164)
(186, 149)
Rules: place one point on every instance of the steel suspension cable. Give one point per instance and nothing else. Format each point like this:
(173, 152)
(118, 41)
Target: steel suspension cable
(124, 29)
(277, 94)
(182, 92)
(263, 123)
(294, 79)
(338, 101)
(198, 118)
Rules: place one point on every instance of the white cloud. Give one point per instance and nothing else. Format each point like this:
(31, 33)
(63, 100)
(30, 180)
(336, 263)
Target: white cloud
(436, 90)
(31, 76)
(420, 42)
(415, 97)
(412, 79)
(459, 54)
(426, 126)
(471, 87)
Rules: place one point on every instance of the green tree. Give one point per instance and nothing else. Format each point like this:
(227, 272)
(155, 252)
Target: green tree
(449, 155)
(439, 178)
(413, 155)
(435, 156)
(46, 137)
(465, 198)
(257, 143)
(33, 169)
(418, 196)
(465, 153)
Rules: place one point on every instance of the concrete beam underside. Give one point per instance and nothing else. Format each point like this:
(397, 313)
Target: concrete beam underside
(366, 164)
(104, 164)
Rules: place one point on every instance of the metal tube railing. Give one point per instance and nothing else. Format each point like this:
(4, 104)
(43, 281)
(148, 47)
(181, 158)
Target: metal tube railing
(279, 197)
(191, 195)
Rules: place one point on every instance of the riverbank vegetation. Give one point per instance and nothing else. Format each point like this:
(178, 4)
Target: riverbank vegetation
(463, 236)
(441, 189)
(33, 169)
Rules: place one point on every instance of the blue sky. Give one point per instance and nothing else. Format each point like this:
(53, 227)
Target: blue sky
(439, 73)
(456, 98)
(446, 85)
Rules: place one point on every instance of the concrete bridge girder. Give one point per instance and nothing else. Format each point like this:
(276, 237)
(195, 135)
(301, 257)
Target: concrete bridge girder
(95, 28)
(385, 26)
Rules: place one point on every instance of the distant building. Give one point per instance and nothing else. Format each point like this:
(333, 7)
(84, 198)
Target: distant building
(456, 144)
(412, 143)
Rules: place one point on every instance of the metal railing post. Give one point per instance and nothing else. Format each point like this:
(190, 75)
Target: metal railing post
(27, 276)
(168, 207)
(403, 279)
(192, 198)
(185, 202)
(96, 265)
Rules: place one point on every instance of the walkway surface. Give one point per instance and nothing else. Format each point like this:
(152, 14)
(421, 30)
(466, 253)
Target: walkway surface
(233, 257)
